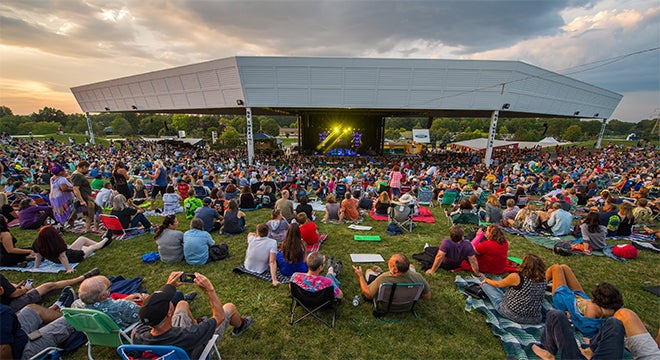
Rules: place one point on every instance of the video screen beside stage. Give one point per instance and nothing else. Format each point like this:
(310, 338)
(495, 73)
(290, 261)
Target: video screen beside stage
(341, 134)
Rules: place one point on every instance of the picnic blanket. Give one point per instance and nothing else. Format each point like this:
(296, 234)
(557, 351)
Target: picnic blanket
(263, 276)
(425, 215)
(516, 338)
(46, 266)
(518, 232)
(653, 289)
(360, 227)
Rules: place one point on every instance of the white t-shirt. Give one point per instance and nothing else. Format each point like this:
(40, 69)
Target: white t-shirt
(257, 255)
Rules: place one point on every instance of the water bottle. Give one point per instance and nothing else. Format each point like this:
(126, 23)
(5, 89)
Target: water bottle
(356, 300)
(468, 303)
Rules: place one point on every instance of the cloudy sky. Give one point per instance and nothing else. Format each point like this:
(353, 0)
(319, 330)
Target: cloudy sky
(48, 46)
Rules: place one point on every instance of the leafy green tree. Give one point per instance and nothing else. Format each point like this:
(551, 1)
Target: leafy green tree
(5, 111)
(50, 114)
(392, 134)
(183, 122)
(294, 124)
(618, 127)
(121, 126)
(38, 127)
(270, 127)
(437, 133)
(152, 124)
(523, 134)
(476, 134)
(572, 133)
(591, 128)
(230, 137)
(10, 123)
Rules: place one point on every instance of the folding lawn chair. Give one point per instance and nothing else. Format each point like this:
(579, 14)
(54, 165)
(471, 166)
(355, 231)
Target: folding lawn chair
(522, 201)
(402, 215)
(425, 197)
(448, 198)
(166, 352)
(312, 303)
(99, 328)
(112, 223)
(397, 298)
(470, 221)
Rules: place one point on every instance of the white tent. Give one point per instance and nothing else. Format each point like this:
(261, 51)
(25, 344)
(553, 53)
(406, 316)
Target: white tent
(481, 144)
(549, 140)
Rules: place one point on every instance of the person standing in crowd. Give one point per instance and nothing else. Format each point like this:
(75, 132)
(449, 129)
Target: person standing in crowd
(61, 195)
(120, 177)
(158, 181)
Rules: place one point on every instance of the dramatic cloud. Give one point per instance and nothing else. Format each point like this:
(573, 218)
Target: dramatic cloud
(64, 43)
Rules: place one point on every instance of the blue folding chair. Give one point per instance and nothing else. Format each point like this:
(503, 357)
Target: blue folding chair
(166, 352)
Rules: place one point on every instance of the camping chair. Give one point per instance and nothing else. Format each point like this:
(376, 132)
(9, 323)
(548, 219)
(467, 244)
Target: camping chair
(99, 328)
(397, 298)
(112, 223)
(425, 197)
(448, 198)
(200, 191)
(402, 215)
(312, 302)
(522, 201)
(470, 221)
(167, 352)
(483, 197)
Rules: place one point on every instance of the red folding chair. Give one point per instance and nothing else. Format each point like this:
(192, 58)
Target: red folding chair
(112, 223)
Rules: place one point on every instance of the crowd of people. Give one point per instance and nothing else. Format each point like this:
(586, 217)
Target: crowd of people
(611, 191)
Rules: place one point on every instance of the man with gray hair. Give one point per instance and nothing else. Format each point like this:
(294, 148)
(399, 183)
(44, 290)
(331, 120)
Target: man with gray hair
(313, 280)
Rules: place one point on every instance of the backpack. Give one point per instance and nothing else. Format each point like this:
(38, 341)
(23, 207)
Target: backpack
(563, 248)
(393, 229)
(218, 252)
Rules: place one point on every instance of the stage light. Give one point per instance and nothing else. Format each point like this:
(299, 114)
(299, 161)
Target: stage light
(336, 129)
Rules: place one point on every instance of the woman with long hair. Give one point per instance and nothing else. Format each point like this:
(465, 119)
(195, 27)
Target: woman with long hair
(331, 209)
(522, 300)
(234, 219)
(382, 204)
(231, 192)
(50, 245)
(120, 177)
(7, 210)
(593, 234)
(10, 255)
(159, 180)
(169, 240)
(395, 181)
(491, 249)
(527, 219)
(246, 200)
(291, 258)
(128, 214)
(61, 195)
(493, 210)
(627, 219)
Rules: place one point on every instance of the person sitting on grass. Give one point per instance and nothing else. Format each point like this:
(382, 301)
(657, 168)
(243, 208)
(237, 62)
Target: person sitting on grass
(313, 280)
(50, 245)
(522, 300)
(261, 253)
(209, 215)
(33, 216)
(305, 208)
(331, 209)
(191, 203)
(593, 235)
(169, 240)
(308, 230)
(17, 296)
(10, 255)
(453, 251)
(292, 256)
(234, 219)
(349, 209)
(171, 200)
(277, 226)
(382, 204)
(129, 215)
(162, 323)
(491, 249)
(400, 272)
(587, 314)
(196, 243)
(623, 328)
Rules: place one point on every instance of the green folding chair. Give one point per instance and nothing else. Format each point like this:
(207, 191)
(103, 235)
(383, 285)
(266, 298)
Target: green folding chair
(448, 198)
(99, 328)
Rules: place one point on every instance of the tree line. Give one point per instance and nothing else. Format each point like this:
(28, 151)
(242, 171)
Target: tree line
(230, 127)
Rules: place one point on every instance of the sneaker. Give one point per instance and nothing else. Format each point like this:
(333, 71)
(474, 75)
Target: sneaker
(337, 268)
(93, 272)
(110, 238)
(331, 262)
(190, 296)
(246, 322)
(67, 297)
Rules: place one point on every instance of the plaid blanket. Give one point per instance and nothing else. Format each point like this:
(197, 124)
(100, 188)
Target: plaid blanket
(518, 232)
(265, 276)
(516, 338)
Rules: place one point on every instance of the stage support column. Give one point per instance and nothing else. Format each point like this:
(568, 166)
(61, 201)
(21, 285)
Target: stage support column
(491, 137)
(91, 131)
(602, 132)
(250, 139)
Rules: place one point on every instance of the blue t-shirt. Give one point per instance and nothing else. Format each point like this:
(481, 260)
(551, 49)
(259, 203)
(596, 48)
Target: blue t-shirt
(287, 269)
(196, 246)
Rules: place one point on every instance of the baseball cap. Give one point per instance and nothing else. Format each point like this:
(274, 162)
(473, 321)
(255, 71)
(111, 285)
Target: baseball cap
(155, 308)
(207, 200)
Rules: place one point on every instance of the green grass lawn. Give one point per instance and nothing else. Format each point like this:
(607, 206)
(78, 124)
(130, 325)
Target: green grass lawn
(442, 331)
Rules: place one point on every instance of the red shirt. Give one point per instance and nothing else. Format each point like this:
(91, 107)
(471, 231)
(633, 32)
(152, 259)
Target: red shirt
(492, 256)
(183, 189)
(308, 233)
